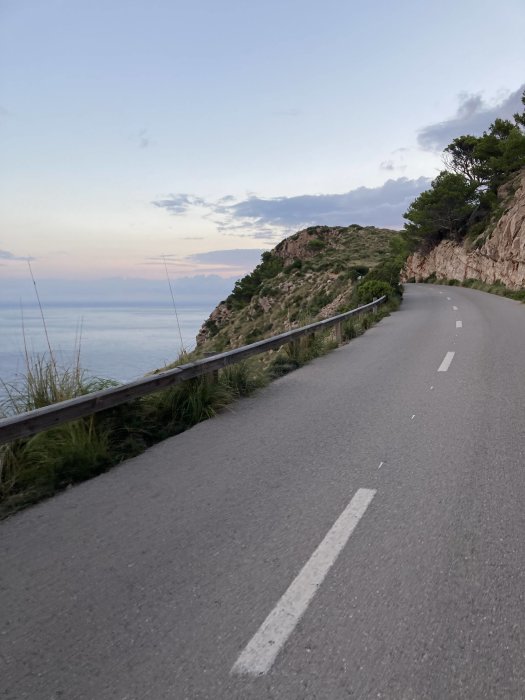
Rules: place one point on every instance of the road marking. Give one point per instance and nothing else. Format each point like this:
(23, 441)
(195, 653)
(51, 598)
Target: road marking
(446, 362)
(431, 388)
(459, 324)
(455, 308)
(261, 651)
(449, 299)
(381, 464)
(441, 292)
(413, 417)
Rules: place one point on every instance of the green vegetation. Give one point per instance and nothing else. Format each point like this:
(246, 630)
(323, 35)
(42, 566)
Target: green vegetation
(37, 467)
(496, 288)
(311, 275)
(467, 196)
(249, 285)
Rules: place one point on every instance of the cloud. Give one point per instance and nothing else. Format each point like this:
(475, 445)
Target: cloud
(236, 257)
(473, 116)
(387, 165)
(180, 203)
(144, 140)
(379, 206)
(225, 263)
(269, 219)
(6, 255)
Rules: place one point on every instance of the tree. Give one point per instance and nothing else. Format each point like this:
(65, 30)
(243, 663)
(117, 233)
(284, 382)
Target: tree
(461, 158)
(520, 118)
(466, 194)
(442, 211)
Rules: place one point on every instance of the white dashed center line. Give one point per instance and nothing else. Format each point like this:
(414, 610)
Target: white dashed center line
(261, 651)
(455, 308)
(459, 324)
(443, 367)
(449, 299)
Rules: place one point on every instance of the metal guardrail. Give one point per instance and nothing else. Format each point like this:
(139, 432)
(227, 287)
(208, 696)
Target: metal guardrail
(32, 422)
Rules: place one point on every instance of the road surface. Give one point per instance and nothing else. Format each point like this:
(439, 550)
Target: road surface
(355, 530)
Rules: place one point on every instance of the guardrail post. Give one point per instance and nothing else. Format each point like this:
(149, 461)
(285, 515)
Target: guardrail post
(295, 349)
(338, 332)
(214, 375)
(375, 307)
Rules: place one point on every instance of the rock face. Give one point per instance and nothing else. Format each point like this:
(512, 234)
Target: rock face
(218, 317)
(501, 258)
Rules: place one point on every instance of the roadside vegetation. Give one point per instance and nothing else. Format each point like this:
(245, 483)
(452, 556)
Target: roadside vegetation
(497, 288)
(38, 467)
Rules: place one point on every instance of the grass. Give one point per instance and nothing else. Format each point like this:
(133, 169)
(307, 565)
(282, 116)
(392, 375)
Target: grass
(35, 468)
(38, 467)
(497, 288)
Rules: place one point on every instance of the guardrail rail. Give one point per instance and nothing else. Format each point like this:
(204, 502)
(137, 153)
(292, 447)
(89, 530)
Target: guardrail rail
(32, 422)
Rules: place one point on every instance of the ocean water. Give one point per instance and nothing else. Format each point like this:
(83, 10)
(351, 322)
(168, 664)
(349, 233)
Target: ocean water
(121, 342)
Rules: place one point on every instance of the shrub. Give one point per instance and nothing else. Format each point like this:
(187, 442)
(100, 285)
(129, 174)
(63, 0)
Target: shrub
(51, 460)
(373, 289)
(349, 330)
(316, 244)
(186, 404)
(242, 379)
(245, 288)
(296, 265)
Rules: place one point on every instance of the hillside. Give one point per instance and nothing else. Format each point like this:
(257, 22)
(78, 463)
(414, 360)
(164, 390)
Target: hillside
(308, 276)
(497, 255)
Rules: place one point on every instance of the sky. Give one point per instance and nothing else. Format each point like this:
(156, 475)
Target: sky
(140, 135)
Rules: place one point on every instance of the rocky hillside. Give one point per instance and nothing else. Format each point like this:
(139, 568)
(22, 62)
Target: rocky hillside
(308, 276)
(497, 255)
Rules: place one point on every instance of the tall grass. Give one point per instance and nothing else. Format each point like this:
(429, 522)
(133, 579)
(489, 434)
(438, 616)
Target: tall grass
(48, 461)
(31, 469)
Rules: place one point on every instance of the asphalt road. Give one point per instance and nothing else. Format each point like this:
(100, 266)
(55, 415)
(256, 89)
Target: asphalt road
(356, 530)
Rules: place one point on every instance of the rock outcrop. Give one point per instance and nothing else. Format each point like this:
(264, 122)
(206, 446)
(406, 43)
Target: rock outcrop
(501, 258)
(312, 277)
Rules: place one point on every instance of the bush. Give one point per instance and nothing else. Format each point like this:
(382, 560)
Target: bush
(51, 460)
(242, 379)
(245, 288)
(296, 265)
(349, 329)
(373, 289)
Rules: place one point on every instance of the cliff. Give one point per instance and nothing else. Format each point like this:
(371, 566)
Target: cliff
(307, 276)
(498, 255)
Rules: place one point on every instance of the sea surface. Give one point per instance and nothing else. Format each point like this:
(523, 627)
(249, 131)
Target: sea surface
(117, 341)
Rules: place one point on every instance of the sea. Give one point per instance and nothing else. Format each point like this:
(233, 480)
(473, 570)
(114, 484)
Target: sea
(116, 341)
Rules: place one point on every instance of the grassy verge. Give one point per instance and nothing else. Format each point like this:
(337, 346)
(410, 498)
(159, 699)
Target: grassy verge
(497, 288)
(35, 468)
